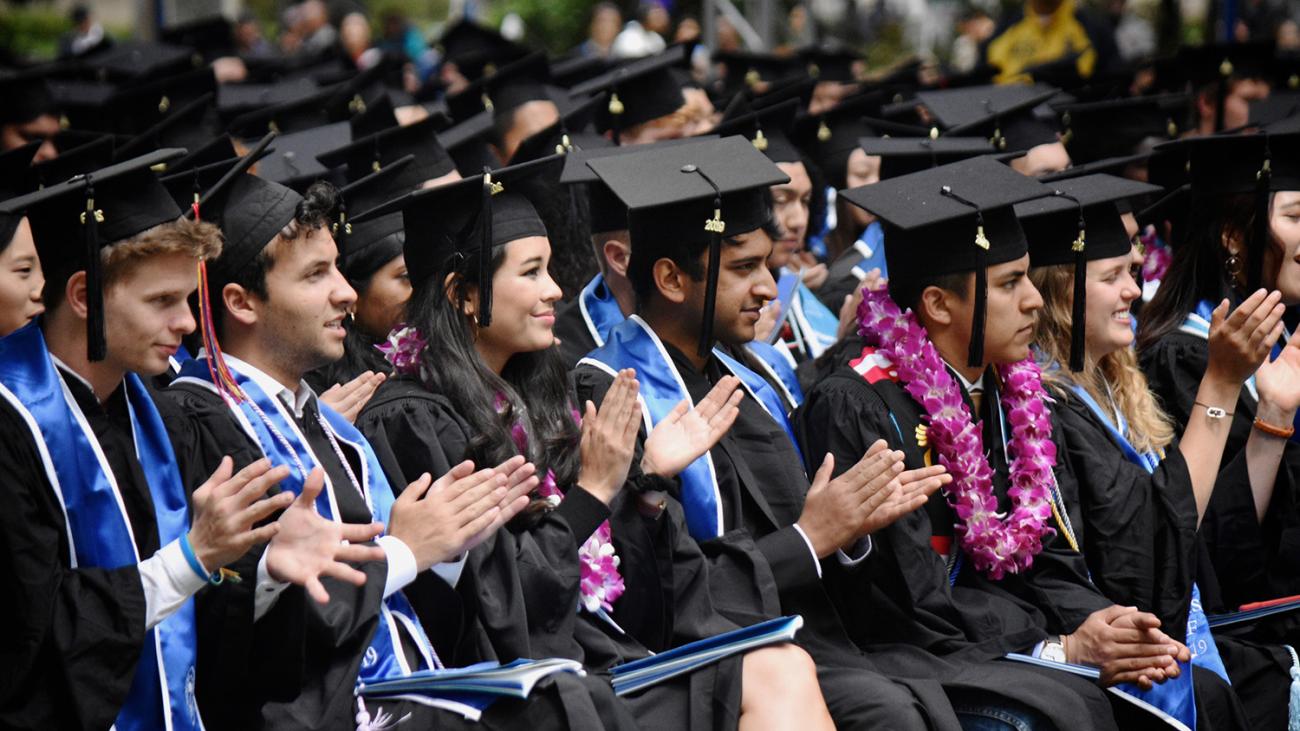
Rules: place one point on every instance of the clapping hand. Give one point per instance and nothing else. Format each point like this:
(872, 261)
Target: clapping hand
(687, 433)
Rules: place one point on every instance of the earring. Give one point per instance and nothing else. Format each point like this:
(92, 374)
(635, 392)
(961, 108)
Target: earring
(1233, 264)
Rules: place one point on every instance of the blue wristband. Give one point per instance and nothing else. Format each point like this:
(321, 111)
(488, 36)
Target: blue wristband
(193, 561)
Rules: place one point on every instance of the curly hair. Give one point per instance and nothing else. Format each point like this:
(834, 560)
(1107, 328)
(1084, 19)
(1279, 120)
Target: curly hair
(1116, 375)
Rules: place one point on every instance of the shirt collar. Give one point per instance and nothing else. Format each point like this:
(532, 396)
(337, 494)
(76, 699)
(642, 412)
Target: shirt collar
(296, 400)
(970, 386)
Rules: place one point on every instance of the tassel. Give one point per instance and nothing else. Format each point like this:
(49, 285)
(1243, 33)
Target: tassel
(1078, 314)
(716, 227)
(96, 348)
(1261, 231)
(975, 355)
(823, 132)
(217, 368)
(490, 188)
(760, 142)
(1293, 707)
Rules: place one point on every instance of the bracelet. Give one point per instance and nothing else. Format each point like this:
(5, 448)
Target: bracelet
(1214, 412)
(195, 565)
(1273, 430)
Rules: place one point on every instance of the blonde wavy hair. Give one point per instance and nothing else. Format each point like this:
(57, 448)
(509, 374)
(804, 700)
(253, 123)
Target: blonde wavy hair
(1150, 429)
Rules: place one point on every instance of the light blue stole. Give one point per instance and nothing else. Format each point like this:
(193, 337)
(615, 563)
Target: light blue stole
(99, 531)
(267, 421)
(632, 344)
(872, 248)
(815, 327)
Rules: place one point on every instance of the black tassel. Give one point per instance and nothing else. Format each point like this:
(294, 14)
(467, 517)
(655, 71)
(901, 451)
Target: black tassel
(975, 356)
(710, 291)
(1261, 230)
(1077, 312)
(96, 348)
(485, 250)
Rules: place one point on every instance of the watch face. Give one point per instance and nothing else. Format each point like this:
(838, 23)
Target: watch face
(1054, 652)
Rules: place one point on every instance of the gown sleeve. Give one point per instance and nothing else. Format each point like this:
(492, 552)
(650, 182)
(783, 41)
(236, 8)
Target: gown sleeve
(72, 636)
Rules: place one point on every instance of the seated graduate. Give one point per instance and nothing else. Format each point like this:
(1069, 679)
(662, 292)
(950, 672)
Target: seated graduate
(21, 280)
(276, 660)
(647, 101)
(1241, 236)
(954, 577)
(1140, 506)
(747, 502)
(606, 574)
(101, 550)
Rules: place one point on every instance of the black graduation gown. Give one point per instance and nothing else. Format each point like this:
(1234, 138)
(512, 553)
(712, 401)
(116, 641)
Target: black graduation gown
(762, 567)
(1254, 561)
(520, 588)
(1142, 549)
(297, 666)
(72, 636)
(907, 596)
(571, 328)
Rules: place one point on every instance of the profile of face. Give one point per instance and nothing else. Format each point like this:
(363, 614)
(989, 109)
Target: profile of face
(1282, 259)
(790, 202)
(43, 128)
(668, 127)
(523, 302)
(300, 321)
(382, 304)
(744, 285)
(863, 169)
(21, 281)
(1042, 160)
(527, 119)
(1111, 287)
(146, 313)
(1012, 309)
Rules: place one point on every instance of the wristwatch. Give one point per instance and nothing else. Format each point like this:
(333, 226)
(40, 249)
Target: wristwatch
(1053, 650)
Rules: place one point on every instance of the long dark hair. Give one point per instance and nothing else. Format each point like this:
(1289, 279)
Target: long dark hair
(1197, 271)
(531, 391)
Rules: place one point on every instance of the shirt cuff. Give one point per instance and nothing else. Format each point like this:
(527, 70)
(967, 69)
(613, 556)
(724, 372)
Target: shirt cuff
(268, 589)
(816, 561)
(859, 550)
(402, 568)
(451, 570)
(168, 581)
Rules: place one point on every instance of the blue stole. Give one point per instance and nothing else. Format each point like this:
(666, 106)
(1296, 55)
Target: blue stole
(601, 313)
(815, 327)
(283, 443)
(1198, 324)
(632, 344)
(872, 248)
(99, 531)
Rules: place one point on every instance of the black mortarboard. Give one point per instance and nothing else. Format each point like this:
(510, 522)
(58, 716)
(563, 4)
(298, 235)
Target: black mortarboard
(211, 36)
(948, 220)
(691, 194)
(1109, 165)
(83, 104)
(768, 129)
(1116, 127)
(27, 96)
(747, 70)
(73, 220)
(189, 126)
(831, 136)
(800, 89)
(367, 245)
(217, 149)
(188, 185)
(374, 116)
(1078, 223)
(81, 159)
(1201, 66)
(468, 144)
(1005, 114)
(569, 72)
(504, 89)
(136, 107)
(640, 90)
(293, 162)
(900, 156)
(470, 217)
(475, 49)
(565, 135)
(286, 117)
(368, 154)
(138, 60)
(830, 63)
(236, 99)
(608, 212)
(13, 170)
(1278, 106)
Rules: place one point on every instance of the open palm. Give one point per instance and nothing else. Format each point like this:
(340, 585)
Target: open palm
(1278, 381)
(686, 434)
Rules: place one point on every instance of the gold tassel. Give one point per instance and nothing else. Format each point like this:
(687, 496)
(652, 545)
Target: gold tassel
(615, 104)
(760, 142)
(164, 104)
(823, 132)
(981, 240)
(493, 186)
(716, 225)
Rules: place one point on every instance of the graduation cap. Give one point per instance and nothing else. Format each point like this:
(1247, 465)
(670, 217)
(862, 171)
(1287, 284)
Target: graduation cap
(829, 138)
(830, 63)
(1110, 165)
(127, 60)
(217, 149)
(293, 162)
(211, 36)
(295, 115)
(1004, 113)
(768, 129)
(236, 99)
(190, 127)
(749, 70)
(73, 220)
(1080, 222)
(368, 154)
(374, 116)
(187, 185)
(569, 72)
(799, 89)
(608, 212)
(137, 107)
(468, 144)
(567, 134)
(948, 220)
(13, 168)
(476, 50)
(367, 245)
(901, 156)
(639, 91)
(82, 159)
(27, 96)
(691, 195)
(470, 217)
(1116, 127)
(1219, 63)
(505, 89)
(1277, 107)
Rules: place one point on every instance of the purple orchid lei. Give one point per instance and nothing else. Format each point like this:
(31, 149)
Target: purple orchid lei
(997, 544)
(403, 348)
(1157, 259)
(600, 582)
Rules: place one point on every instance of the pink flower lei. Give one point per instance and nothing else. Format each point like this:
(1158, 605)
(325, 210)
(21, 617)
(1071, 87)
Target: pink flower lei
(403, 348)
(600, 582)
(997, 544)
